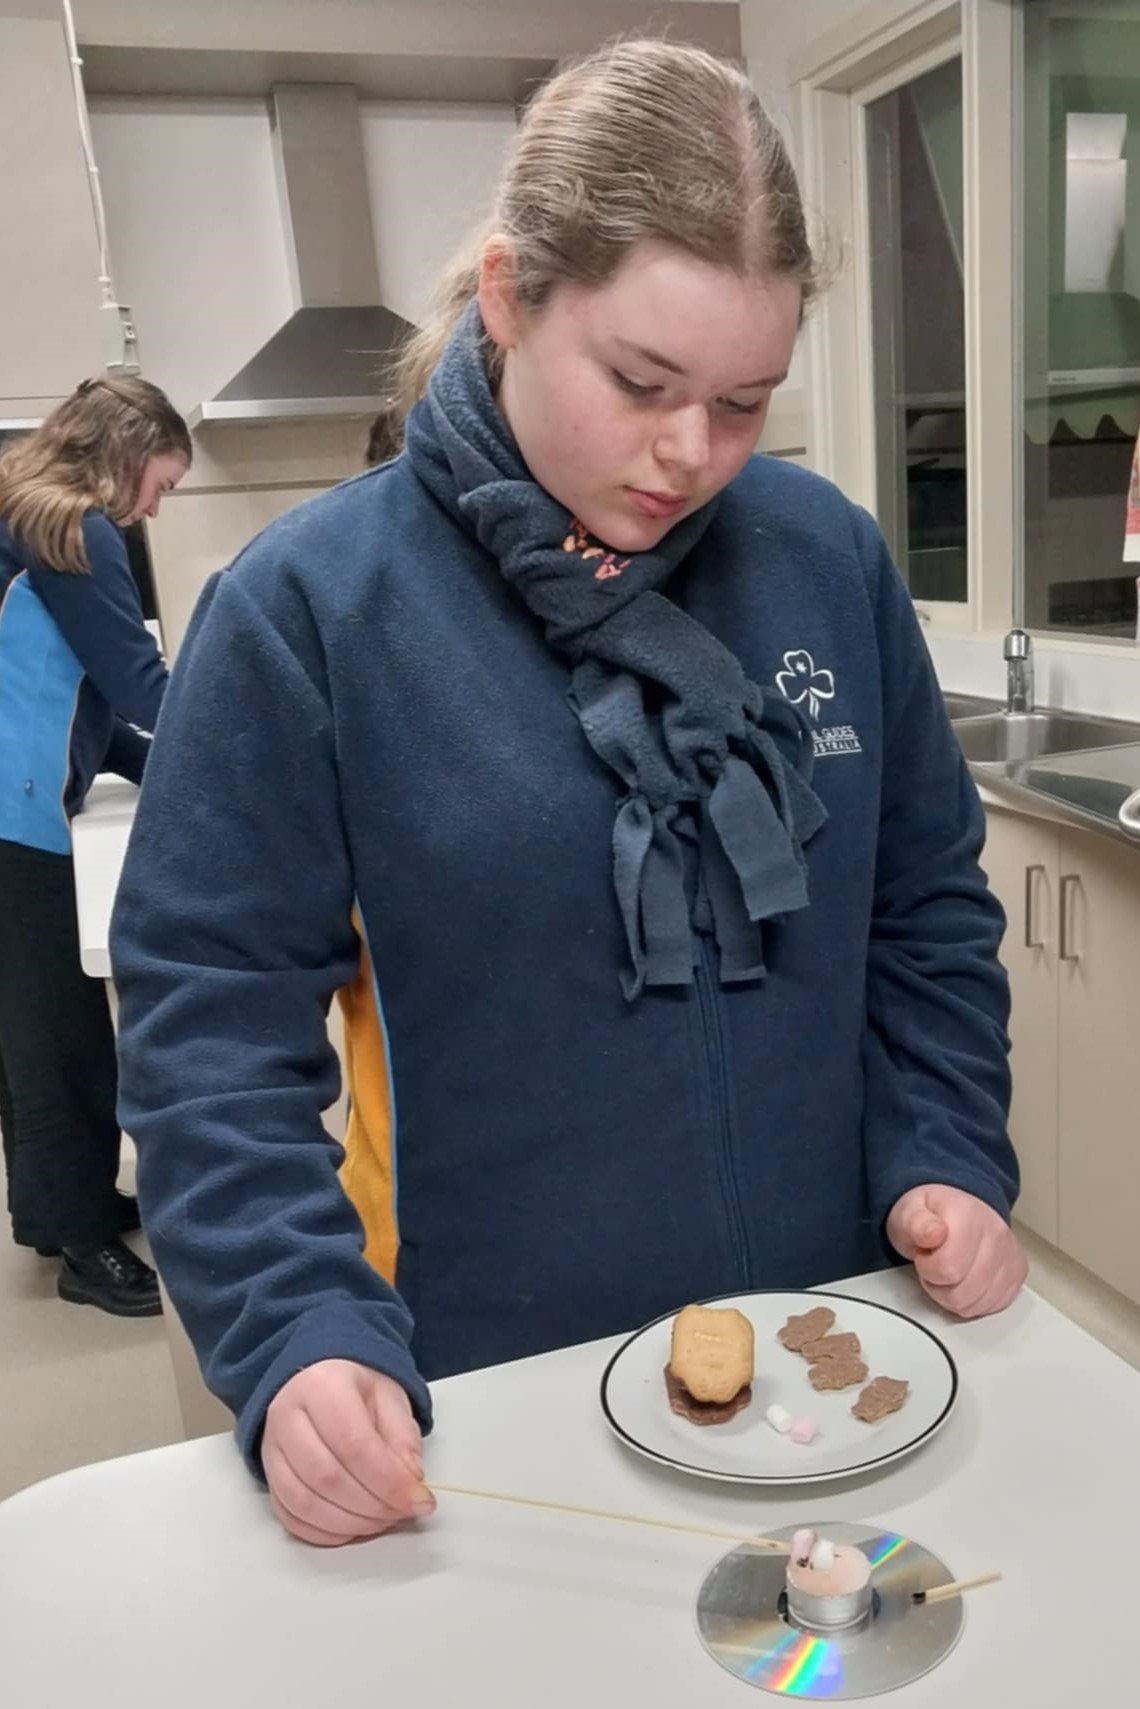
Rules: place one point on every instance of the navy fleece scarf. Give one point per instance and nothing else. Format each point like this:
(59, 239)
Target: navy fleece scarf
(661, 701)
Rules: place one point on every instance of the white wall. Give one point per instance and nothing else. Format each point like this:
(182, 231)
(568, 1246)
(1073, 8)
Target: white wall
(432, 172)
(772, 31)
(198, 251)
(196, 236)
(197, 246)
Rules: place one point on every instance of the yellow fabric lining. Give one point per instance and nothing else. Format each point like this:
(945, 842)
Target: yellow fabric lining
(368, 1172)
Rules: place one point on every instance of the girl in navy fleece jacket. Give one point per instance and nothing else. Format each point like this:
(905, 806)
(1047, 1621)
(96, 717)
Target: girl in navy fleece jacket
(600, 766)
(80, 677)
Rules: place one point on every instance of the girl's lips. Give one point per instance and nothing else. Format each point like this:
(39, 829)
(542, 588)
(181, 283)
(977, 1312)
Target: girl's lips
(655, 504)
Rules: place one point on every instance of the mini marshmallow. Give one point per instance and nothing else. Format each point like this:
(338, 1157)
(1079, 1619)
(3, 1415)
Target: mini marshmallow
(779, 1418)
(802, 1544)
(804, 1430)
(823, 1555)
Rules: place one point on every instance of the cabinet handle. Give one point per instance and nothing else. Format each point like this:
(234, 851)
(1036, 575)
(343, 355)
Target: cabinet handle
(1031, 874)
(1069, 883)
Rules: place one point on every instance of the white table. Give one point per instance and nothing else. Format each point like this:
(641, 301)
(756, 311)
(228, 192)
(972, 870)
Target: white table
(99, 843)
(164, 1578)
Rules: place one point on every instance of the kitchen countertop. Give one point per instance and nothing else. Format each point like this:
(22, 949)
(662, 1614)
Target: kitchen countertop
(490, 1605)
(99, 843)
(1086, 789)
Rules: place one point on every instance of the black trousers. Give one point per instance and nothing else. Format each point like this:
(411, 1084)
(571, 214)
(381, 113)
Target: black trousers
(58, 1075)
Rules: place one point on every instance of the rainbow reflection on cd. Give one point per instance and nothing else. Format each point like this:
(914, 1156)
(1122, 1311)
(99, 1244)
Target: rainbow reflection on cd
(884, 1548)
(799, 1666)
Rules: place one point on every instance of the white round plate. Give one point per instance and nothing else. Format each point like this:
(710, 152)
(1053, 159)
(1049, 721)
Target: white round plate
(747, 1450)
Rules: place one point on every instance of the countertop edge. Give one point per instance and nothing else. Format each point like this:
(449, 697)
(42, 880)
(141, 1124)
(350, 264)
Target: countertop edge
(1000, 788)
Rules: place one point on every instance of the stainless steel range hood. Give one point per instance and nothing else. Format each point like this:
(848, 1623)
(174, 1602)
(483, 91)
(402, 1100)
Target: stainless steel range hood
(333, 356)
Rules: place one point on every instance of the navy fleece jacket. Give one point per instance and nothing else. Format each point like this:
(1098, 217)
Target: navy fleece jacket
(365, 720)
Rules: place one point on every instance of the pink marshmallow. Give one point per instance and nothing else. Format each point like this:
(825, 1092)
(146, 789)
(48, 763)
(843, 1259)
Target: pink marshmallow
(804, 1430)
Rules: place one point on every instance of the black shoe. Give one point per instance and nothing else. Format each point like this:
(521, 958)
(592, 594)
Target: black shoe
(129, 1220)
(110, 1277)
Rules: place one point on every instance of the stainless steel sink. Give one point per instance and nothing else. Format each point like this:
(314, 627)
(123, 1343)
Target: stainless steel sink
(969, 705)
(1011, 738)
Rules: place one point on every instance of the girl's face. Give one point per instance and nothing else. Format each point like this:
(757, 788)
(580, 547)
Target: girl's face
(160, 475)
(635, 402)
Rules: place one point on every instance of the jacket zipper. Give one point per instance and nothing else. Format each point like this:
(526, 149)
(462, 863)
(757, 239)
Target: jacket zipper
(713, 1035)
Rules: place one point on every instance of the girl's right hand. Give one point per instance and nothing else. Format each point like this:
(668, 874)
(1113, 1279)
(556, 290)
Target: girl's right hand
(343, 1455)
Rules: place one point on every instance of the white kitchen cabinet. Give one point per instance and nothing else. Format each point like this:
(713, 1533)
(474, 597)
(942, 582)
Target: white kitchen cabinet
(1022, 859)
(49, 322)
(1073, 955)
(1099, 1058)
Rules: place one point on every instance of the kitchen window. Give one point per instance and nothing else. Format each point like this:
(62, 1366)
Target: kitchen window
(975, 372)
(1081, 311)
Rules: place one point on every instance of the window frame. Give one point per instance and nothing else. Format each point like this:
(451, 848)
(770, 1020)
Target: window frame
(885, 45)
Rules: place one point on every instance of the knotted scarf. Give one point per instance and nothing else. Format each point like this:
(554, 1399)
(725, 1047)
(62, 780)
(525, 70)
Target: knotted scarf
(664, 704)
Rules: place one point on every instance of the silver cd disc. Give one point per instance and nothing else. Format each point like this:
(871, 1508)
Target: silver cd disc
(743, 1622)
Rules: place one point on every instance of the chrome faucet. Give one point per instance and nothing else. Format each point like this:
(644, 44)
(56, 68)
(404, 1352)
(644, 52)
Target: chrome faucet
(1018, 654)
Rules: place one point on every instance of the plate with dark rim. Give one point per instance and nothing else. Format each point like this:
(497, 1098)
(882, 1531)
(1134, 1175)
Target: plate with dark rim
(747, 1450)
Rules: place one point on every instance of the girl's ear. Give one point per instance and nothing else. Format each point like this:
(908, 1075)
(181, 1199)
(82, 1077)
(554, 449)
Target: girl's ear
(498, 292)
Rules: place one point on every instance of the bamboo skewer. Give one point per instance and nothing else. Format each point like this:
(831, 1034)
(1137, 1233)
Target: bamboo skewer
(770, 1545)
(943, 1592)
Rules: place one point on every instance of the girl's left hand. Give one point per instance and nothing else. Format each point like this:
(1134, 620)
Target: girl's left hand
(966, 1256)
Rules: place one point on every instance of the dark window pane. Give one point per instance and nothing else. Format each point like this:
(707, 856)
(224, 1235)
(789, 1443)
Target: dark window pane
(914, 161)
(1082, 312)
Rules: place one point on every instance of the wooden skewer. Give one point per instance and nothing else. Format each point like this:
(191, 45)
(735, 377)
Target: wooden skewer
(771, 1545)
(943, 1592)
